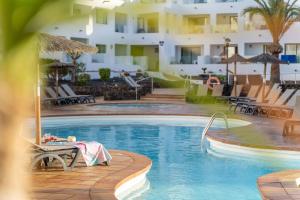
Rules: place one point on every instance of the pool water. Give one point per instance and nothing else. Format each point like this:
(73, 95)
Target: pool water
(180, 169)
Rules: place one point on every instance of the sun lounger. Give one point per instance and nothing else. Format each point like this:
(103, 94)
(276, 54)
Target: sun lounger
(264, 108)
(46, 153)
(272, 96)
(129, 80)
(70, 99)
(235, 93)
(58, 100)
(70, 92)
(240, 101)
(289, 125)
(286, 110)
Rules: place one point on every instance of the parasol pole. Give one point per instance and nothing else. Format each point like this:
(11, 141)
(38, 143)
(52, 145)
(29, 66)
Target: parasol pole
(56, 81)
(264, 82)
(38, 130)
(234, 77)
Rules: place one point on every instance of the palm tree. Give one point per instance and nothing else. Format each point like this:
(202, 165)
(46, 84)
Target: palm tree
(278, 15)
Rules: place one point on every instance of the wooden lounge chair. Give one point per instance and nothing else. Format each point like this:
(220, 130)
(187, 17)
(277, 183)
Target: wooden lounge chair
(235, 94)
(70, 92)
(240, 101)
(289, 125)
(248, 103)
(217, 90)
(47, 153)
(286, 110)
(276, 100)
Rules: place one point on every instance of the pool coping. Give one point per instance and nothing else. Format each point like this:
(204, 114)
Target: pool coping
(279, 185)
(106, 187)
(213, 135)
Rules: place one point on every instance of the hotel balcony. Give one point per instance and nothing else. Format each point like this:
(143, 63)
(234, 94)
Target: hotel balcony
(227, 1)
(249, 26)
(141, 61)
(98, 58)
(147, 23)
(121, 23)
(196, 29)
(194, 1)
(151, 1)
(225, 28)
(195, 24)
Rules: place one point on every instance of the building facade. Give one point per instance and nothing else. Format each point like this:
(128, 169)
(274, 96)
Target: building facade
(173, 36)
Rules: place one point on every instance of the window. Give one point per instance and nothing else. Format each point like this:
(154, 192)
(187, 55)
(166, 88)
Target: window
(101, 48)
(189, 55)
(101, 16)
(82, 40)
(120, 50)
(292, 49)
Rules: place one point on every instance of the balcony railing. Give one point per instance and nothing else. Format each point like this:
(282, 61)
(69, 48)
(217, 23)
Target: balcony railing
(121, 28)
(228, 1)
(98, 58)
(195, 29)
(249, 26)
(225, 28)
(194, 1)
(149, 30)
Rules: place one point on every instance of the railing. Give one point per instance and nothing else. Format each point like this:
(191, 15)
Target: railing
(225, 28)
(194, 1)
(252, 26)
(212, 119)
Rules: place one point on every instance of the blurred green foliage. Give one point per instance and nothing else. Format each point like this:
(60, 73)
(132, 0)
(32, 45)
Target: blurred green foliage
(104, 74)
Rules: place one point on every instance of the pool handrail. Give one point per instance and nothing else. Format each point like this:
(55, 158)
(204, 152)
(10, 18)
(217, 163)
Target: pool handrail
(209, 124)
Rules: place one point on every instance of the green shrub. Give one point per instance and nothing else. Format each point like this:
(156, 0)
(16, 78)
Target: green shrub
(104, 74)
(83, 79)
(168, 84)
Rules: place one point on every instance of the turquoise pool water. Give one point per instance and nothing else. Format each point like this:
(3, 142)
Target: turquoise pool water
(180, 170)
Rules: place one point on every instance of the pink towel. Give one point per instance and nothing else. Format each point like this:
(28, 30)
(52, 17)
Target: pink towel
(93, 153)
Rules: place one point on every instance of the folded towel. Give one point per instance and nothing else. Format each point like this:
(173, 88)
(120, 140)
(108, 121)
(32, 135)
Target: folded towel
(93, 153)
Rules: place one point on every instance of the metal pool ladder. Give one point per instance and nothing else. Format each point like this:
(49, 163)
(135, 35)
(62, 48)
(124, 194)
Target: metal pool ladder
(208, 125)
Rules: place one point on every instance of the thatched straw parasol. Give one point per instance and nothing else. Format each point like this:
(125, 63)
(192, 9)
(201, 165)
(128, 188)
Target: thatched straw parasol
(57, 65)
(235, 59)
(51, 43)
(265, 58)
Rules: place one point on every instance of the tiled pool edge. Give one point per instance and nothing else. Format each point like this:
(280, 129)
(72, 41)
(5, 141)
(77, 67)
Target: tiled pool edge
(106, 187)
(279, 186)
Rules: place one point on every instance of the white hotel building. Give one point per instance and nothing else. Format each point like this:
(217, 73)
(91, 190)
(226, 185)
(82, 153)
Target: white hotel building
(174, 36)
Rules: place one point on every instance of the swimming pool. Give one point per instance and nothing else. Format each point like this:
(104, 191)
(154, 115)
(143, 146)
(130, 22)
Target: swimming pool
(180, 170)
